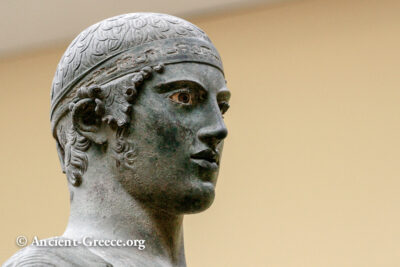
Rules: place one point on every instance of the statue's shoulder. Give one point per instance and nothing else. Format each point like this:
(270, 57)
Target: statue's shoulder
(55, 256)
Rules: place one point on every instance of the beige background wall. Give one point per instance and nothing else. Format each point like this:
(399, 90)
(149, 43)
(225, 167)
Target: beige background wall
(311, 170)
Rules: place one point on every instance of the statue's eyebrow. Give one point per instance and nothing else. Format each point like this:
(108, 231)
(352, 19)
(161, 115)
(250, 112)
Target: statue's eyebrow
(177, 84)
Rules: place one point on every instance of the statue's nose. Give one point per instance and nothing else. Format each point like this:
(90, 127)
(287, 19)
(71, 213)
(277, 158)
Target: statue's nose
(214, 132)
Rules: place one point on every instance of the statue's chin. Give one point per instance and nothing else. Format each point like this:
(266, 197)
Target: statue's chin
(191, 201)
(197, 200)
(188, 196)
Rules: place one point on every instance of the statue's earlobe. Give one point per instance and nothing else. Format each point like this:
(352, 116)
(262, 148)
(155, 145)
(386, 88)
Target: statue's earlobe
(87, 114)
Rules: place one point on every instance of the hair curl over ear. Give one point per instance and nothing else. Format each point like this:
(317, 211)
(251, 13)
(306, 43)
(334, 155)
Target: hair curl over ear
(111, 104)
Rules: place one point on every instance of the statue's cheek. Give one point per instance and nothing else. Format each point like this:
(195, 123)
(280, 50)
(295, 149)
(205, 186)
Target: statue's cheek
(166, 132)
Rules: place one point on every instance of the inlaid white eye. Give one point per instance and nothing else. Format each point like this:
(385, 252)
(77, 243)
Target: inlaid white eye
(183, 97)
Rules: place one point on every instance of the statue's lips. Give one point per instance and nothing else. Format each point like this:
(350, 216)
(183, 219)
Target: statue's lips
(207, 159)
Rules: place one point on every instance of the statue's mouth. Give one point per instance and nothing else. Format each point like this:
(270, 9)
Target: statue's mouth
(206, 158)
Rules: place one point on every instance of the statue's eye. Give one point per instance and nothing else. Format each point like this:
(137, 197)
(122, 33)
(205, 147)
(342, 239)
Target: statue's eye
(184, 97)
(223, 106)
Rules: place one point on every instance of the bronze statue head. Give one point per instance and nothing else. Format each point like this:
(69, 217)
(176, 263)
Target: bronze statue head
(137, 108)
(147, 91)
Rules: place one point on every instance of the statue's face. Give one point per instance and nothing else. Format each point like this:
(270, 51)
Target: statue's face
(178, 129)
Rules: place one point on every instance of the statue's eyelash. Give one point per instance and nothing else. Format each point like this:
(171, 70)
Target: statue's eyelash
(223, 106)
(180, 90)
(189, 90)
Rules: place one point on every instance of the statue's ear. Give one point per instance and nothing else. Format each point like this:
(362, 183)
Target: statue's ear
(87, 116)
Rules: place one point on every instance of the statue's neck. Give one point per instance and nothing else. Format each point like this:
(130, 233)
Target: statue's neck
(102, 209)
